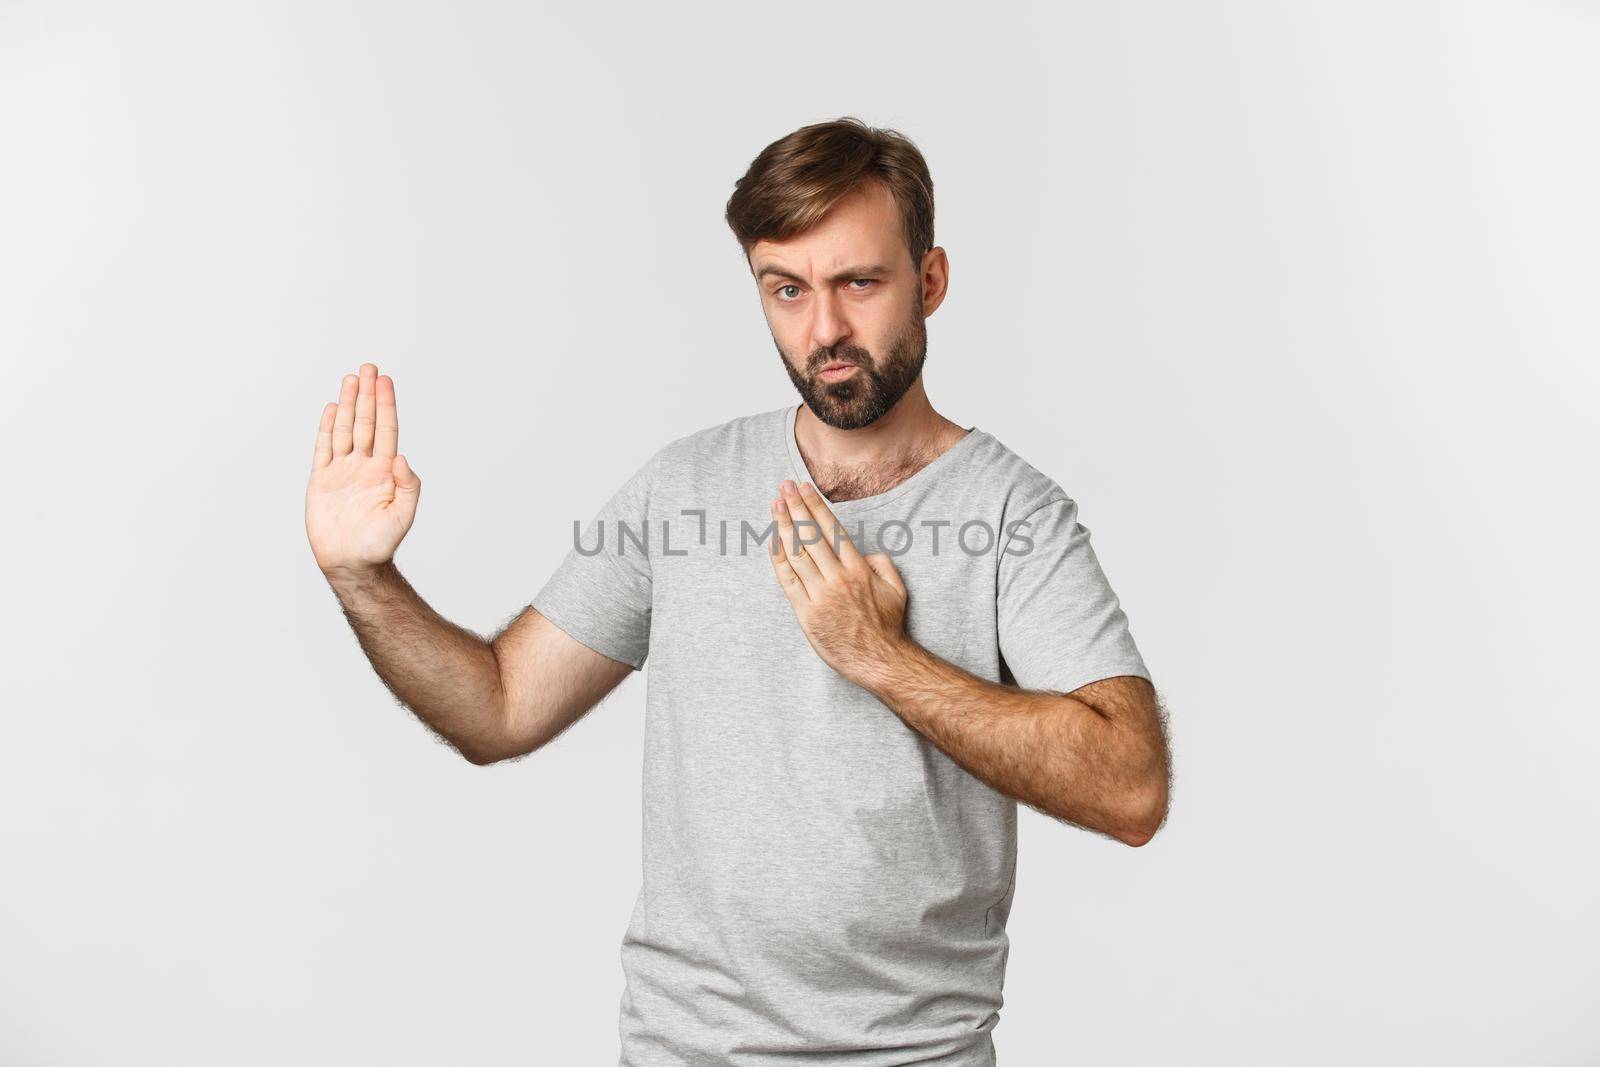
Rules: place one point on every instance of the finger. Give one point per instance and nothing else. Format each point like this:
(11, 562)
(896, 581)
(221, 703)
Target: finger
(832, 528)
(366, 409)
(387, 441)
(798, 555)
(793, 588)
(405, 479)
(346, 417)
(322, 454)
(814, 537)
(884, 568)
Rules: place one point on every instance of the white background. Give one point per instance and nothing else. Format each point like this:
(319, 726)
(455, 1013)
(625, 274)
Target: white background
(1298, 301)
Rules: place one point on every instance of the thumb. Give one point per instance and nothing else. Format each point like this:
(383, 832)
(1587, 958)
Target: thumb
(884, 568)
(405, 479)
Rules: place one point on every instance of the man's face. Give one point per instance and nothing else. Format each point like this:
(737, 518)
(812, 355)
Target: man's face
(845, 306)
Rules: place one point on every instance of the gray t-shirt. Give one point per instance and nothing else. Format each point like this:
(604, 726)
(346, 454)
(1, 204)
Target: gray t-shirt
(822, 884)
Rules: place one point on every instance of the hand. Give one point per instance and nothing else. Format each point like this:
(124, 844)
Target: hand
(851, 607)
(362, 497)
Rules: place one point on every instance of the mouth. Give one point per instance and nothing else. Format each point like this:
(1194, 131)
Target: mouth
(837, 372)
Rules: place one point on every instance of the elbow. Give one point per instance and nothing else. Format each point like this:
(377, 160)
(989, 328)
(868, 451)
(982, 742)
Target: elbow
(485, 745)
(485, 741)
(1145, 814)
(1135, 838)
(479, 757)
(489, 747)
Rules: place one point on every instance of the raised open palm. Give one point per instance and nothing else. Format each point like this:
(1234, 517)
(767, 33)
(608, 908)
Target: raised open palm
(362, 495)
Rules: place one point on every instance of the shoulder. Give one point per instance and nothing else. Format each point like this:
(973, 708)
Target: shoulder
(1022, 487)
(718, 451)
(715, 440)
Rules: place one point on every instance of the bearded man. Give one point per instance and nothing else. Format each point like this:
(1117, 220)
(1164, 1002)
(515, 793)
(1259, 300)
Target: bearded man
(840, 722)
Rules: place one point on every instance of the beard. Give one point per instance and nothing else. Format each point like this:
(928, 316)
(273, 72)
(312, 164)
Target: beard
(874, 390)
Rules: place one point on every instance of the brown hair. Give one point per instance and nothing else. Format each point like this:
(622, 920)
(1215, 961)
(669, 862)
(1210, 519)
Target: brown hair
(798, 178)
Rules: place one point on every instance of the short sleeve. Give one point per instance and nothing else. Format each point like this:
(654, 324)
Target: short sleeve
(1060, 625)
(600, 594)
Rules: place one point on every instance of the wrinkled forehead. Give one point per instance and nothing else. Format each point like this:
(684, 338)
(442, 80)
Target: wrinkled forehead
(864, 227)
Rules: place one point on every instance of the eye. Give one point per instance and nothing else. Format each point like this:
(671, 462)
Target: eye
(868, 281)
(781, 288)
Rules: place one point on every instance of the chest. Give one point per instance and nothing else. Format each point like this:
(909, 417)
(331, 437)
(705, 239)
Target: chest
(719, 601)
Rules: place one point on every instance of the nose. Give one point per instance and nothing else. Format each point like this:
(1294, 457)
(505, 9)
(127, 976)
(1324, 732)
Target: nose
(828, 326)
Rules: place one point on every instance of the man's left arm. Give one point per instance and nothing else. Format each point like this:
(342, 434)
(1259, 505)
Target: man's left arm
(1096, 757)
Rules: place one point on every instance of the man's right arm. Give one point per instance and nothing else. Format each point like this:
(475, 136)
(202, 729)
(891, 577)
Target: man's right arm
(490, 699)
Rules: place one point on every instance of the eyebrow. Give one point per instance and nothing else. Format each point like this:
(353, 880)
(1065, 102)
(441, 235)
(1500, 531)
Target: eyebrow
(874, 271)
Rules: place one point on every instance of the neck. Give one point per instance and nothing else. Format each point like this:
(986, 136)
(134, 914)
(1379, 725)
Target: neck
(849, 464)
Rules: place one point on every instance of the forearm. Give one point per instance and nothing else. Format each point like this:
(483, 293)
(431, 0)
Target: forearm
(448, 676)
(1048, 750)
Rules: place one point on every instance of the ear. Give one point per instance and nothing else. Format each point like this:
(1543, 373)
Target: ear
(934, 278)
